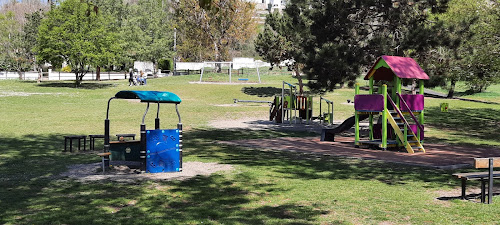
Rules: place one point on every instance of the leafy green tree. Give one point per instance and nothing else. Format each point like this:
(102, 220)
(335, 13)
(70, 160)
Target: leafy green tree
(480, 64)
(77, 33)
(156, 31)
(469, 49)
(272, 43)
(15, 55)
(210, 29)
(30, 32)
(335, 40)
(280, 42)
(145, 29)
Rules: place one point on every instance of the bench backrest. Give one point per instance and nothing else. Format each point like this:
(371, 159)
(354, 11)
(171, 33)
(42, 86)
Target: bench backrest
(484, 163)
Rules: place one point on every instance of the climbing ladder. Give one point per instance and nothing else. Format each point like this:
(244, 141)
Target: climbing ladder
(402, 128)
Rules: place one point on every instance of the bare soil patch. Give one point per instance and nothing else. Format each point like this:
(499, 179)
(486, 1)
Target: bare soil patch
(23, 94)
(128, 172)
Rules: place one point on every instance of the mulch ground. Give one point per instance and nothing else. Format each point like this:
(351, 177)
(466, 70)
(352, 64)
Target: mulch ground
(436, 155)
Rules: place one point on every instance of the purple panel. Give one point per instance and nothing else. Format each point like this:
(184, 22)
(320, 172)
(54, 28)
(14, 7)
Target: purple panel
(414, 129)
(415, 102)
(373, 103)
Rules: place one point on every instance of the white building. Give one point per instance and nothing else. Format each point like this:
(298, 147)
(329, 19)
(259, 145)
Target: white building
(270, 5)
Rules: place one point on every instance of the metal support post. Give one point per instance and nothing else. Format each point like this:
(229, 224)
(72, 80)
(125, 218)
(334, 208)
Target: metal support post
(421, 116)
(157, 119)
(384, 118)
(490, 182)
(356, 120)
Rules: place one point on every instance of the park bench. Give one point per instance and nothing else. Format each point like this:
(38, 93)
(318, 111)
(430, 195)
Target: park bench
(75, 137)
(92, 138)
(487, 176)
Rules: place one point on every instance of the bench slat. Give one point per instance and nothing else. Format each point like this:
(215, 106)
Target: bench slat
(484, 163)
(476, 175)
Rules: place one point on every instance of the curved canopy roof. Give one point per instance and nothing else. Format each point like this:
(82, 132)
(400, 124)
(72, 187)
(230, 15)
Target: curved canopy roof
(150, 96)
(404, 67)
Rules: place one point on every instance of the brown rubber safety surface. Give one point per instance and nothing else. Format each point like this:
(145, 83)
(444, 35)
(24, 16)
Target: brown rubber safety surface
(436, 155)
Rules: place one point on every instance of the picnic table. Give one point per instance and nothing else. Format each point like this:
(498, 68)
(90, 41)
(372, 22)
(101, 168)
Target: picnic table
(486, 176)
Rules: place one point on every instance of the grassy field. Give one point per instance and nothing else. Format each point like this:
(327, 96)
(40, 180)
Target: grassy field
(265, 187)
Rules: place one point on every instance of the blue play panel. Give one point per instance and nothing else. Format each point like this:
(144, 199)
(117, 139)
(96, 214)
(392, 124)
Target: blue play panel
(162, 151)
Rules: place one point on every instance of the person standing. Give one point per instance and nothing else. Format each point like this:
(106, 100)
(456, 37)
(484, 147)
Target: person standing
(131, 77)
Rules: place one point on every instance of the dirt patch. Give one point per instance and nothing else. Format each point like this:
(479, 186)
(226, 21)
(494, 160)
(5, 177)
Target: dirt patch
(241, 124)
(223, 83)
(23, 94)
(128, 172)
(473, 193)
(263, 124)
(227, 105)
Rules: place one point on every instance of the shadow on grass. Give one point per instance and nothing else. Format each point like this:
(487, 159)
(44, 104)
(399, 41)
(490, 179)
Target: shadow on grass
(306, 166)
(33, 193)
(480, 123)
(28, 164)
(85, 85)
(262, 91)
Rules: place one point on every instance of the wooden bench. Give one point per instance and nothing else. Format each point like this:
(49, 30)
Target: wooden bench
(488, 176)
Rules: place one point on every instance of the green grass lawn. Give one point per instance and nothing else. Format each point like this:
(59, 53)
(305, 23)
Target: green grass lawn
(265, 187)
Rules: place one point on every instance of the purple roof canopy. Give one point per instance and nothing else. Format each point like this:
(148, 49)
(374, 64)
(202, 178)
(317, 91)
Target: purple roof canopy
(404, 67)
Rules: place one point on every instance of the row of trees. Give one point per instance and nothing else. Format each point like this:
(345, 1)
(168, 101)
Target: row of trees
(333, 41)
(114, 33)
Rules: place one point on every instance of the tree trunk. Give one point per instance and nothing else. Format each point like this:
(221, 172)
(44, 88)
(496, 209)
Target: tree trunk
(451, 91)
(77, 79)
(218, 67)
(98, 73)
(39, 80)
(414, 87)
(299, 78)
(20, 74)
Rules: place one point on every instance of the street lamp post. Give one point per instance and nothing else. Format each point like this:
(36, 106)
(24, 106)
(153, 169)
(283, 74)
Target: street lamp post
(175, 50)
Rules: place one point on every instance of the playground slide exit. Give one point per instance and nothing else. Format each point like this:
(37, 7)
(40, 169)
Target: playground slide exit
(328, 134)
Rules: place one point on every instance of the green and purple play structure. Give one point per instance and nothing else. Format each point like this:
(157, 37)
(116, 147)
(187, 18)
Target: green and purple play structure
(158, 150)
(400, 116)
(286, 105)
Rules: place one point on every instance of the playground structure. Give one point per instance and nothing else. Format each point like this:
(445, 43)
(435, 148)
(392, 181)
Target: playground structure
(157, 150)
(326, 117)
(396, 109)
(289, 103)
(285, 107)
(230, 66)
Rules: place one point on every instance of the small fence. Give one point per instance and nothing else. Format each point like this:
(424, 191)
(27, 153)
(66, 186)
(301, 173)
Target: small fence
(91, 75)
